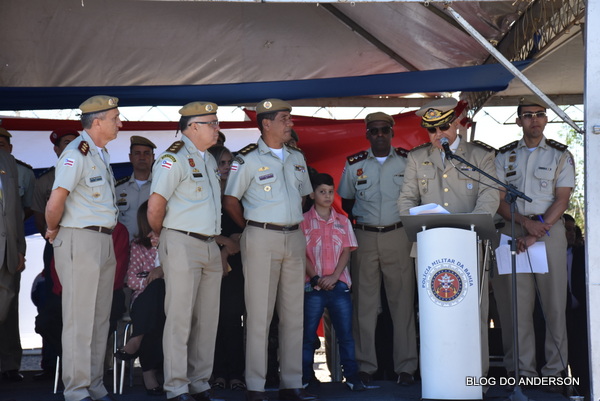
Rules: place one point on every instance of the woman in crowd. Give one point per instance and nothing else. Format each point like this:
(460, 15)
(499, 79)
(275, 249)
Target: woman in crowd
(145, 278)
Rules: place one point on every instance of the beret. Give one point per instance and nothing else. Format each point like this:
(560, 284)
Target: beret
(59, 133)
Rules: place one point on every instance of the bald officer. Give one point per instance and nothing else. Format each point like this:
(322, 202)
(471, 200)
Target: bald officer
(370, 187)
(184, 209)
(12, 263)
(134, 190)
(543, 169)
(81, 214)
(429, 178)
(270, 180)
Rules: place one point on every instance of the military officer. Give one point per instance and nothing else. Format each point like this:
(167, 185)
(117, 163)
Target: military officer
(270, 180)
(544, 170)
(80, 215)
(26, 175)
(429, 178)
(60, 138)
(184, 209)
(370, 187)
(12, 263)
(134, 190)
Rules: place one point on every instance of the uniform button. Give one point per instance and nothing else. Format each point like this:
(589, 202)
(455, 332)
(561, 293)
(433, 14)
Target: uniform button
(445, 176)
(445, 203)
(445, 189)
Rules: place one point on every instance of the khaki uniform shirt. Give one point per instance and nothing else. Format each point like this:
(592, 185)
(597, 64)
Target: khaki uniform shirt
(458, 190)
(90, 182)
(270, 189)
(536, 173)
(129, 198)
(190, 185)
(374, 187)
(43, 189)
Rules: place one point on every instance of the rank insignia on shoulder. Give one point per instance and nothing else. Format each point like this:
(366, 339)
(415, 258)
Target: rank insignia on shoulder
(238, 159)
(401, 152)
(84, 148)
(22, 163)
(423, 145)
(175, 147)
(122, 180)
(248, 149)
(485, 146)
(556, 145)
(508, 147)
(357, 157)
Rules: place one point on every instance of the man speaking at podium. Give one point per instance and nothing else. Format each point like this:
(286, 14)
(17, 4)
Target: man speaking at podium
(431, 178)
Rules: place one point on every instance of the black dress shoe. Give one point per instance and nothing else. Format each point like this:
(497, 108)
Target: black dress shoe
(155, 391)
(406, 379)
(12, 376)
(256, 396)
(205, 396)
(295, 394)
(182, 397)
(125, 356)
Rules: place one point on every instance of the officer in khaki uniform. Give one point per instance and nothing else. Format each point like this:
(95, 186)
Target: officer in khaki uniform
(134, 190)
(60, 138)
(370, 187)
(544, 170)
(185, 210)
(12, 263)
(429, 178)
(81, 214)
(269, 179)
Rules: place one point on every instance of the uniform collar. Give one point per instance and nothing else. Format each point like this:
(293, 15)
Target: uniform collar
(392, 153)
(190, 148)
(264, 148)
(542, 143)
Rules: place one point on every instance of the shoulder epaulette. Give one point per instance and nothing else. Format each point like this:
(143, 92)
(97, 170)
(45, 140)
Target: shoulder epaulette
(485, 146)
(556, 145)
(421, 146)
(175, 147)
(23, 164)
(357, 157)
(508, 147)
(122, 181)
(248, 149)
(295, 148)
(401, 152)
(84, 148)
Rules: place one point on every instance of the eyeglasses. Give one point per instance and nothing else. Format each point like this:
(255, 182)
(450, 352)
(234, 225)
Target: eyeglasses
(384, 130)
(211, 123)
(529, 116)
(444, 127)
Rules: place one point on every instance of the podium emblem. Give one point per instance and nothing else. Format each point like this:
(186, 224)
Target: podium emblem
(447, 285)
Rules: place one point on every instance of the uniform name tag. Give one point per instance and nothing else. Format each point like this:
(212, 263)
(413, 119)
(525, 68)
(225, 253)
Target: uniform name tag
(96, 179)
(265, 177)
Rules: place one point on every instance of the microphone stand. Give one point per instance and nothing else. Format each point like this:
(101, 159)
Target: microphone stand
(512, 193)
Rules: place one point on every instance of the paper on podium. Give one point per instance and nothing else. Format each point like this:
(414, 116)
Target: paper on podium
(430, 208)
(535, 253)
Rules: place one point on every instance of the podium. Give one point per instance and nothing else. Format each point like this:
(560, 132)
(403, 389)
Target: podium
(448, 284)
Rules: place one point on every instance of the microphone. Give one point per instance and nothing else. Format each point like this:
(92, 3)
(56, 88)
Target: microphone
(446, 146)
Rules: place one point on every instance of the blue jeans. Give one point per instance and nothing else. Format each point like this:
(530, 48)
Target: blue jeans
(339, 303)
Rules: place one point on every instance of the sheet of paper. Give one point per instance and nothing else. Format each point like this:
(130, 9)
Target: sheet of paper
(534, 260)
(430, 208)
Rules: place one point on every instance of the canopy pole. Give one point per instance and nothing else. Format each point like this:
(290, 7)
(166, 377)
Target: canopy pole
(513, 70)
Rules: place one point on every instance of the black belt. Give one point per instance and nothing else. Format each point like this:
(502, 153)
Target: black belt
(202, 237)
(536, 217)
(99, 229)
(378, 229)
(269, 226)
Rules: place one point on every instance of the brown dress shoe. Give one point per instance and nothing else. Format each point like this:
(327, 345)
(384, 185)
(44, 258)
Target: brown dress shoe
(295, 394)
(256, 396)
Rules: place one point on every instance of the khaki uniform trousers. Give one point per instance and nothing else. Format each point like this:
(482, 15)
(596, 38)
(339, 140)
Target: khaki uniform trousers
(10, 338)
(85, 263)
(193, 273)
(274, 270)
(384, 256)
(553, 296)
